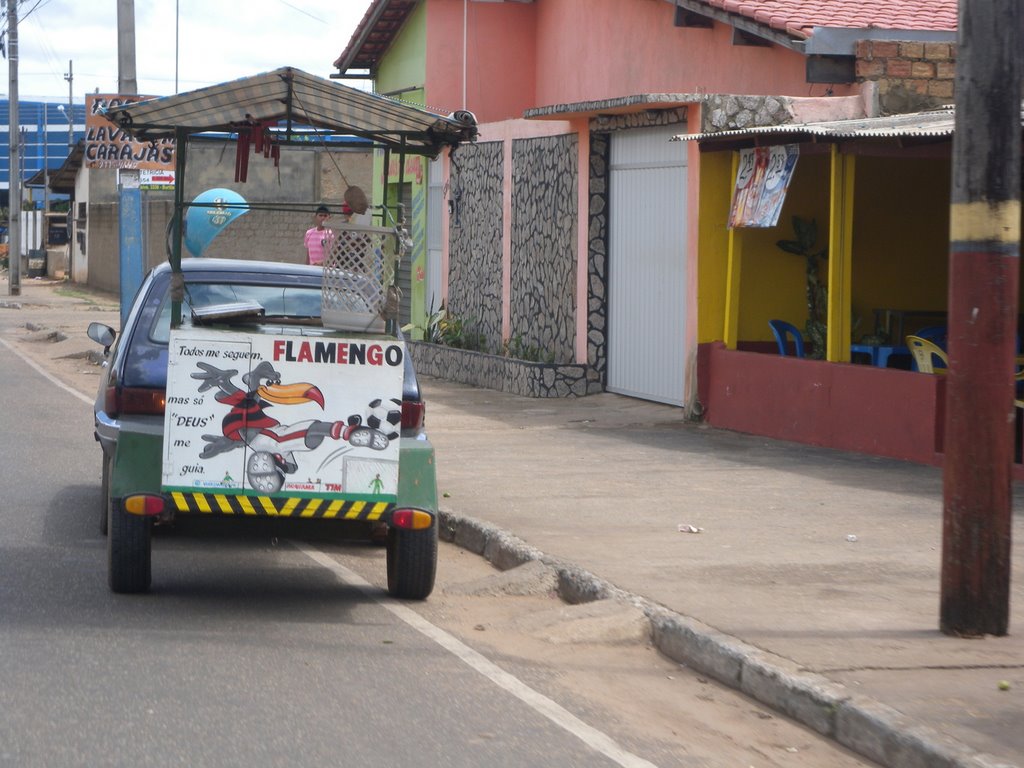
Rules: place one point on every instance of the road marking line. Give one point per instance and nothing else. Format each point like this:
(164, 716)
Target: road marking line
(51, 377)
(593, 738)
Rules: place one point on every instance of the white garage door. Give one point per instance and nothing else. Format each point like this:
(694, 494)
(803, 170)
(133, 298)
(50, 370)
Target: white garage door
(647, 265)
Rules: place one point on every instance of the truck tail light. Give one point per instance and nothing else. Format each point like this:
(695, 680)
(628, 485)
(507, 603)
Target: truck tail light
(413, 414)
(412, 519)
(118, 401)
(145, 504)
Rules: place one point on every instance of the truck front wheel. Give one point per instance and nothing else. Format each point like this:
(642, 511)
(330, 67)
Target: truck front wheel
(412, 562)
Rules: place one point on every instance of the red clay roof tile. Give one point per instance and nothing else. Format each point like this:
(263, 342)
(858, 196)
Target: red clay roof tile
(799, 17)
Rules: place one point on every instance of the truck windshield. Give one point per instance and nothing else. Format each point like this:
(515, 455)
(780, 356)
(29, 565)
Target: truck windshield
(291, 302)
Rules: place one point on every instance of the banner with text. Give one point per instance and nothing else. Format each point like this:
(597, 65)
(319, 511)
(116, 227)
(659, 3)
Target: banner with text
(107, 145)
(296, 415)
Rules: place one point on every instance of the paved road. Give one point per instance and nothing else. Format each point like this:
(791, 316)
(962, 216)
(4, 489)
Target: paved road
(820, 564)
(250, 652)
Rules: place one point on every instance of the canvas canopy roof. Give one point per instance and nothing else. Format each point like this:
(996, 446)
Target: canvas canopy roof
(295, 98)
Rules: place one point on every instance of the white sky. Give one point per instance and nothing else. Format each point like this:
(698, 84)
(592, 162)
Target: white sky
(218, 40)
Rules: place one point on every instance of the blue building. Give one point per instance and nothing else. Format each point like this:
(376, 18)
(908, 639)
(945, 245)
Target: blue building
(45, 140)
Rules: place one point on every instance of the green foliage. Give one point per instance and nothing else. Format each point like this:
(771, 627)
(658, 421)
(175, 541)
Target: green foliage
(444, 327)
(461, 333)
(517, 348)
(805, 245)
(430, 330)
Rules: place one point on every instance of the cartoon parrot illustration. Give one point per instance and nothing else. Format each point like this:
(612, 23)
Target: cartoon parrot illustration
(248, 423)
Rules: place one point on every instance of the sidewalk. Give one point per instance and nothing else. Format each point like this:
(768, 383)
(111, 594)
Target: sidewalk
(812, 582)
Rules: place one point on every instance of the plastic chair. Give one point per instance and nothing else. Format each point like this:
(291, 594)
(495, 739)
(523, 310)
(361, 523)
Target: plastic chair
(925, 352)
(781, 329)
(937, 334)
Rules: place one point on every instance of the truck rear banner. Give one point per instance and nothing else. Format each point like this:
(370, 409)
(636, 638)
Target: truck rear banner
(287, 415)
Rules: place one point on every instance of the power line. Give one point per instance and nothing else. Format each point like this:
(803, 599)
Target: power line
(303, 12)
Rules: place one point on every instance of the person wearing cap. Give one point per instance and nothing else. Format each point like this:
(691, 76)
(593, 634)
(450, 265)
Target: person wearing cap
(320, 238)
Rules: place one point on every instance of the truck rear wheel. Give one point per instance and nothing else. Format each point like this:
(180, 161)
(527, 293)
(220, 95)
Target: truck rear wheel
(412, 562)
(129, 550)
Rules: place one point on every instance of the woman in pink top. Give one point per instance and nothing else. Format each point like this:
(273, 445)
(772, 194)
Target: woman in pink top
(319, 239)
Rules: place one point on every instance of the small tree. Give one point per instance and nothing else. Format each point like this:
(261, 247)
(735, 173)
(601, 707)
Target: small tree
(805, 245)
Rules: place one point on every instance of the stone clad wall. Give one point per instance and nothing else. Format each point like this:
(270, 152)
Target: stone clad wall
(543, 261)
(504, 374)
(597, 257)
(475, 242)
(543, 279)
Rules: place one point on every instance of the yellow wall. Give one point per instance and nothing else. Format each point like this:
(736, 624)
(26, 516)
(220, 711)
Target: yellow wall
(713, 243)
(900, 236)
(773, 283)
(900, 243)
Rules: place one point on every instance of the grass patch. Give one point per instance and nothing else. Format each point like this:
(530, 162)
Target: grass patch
(83, 294)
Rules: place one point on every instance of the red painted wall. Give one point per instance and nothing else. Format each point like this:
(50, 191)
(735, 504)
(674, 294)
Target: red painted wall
(878, 411)
(599, 49)
(524, 55)
(500, 53)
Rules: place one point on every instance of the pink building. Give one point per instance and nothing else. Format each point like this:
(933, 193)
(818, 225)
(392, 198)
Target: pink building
(573, 234)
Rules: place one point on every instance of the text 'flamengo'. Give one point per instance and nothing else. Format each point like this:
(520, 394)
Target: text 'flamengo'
(338, 352)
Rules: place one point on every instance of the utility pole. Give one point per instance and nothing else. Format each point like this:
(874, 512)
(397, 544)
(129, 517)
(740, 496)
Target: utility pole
(131, 257)
(70, 77)
(126, 81)
(46, 171)
(983, 272)
(13, 135)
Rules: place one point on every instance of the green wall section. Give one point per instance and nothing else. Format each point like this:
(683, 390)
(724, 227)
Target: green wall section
(404, 68)
(405, 64)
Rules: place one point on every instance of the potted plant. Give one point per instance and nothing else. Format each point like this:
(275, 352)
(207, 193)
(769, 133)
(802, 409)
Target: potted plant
(805, 244)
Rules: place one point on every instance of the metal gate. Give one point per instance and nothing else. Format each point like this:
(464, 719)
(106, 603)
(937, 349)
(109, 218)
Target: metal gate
(647, 265)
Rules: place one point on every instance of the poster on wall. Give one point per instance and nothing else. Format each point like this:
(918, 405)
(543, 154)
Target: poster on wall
(762, 181)
(263, 414)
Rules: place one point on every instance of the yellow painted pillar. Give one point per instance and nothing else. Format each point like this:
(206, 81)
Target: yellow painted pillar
(840, 262)
(732, 277)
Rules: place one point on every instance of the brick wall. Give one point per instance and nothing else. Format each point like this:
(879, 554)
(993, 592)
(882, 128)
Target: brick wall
(104, 241)
(907, 76)
(306, 175)
(103, 248)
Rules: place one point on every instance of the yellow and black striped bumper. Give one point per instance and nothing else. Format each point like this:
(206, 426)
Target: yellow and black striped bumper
(265, 506)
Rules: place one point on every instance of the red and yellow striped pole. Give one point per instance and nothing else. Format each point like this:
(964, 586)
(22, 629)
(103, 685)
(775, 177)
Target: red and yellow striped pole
(983, 291)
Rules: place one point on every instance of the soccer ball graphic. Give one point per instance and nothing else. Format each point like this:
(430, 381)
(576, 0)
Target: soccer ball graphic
(385, 416)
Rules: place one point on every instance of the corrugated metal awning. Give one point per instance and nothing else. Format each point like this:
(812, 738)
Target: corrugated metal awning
(925, 125)
(295, 98)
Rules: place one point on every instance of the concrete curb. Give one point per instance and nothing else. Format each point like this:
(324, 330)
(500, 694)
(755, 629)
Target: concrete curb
(861, 724)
